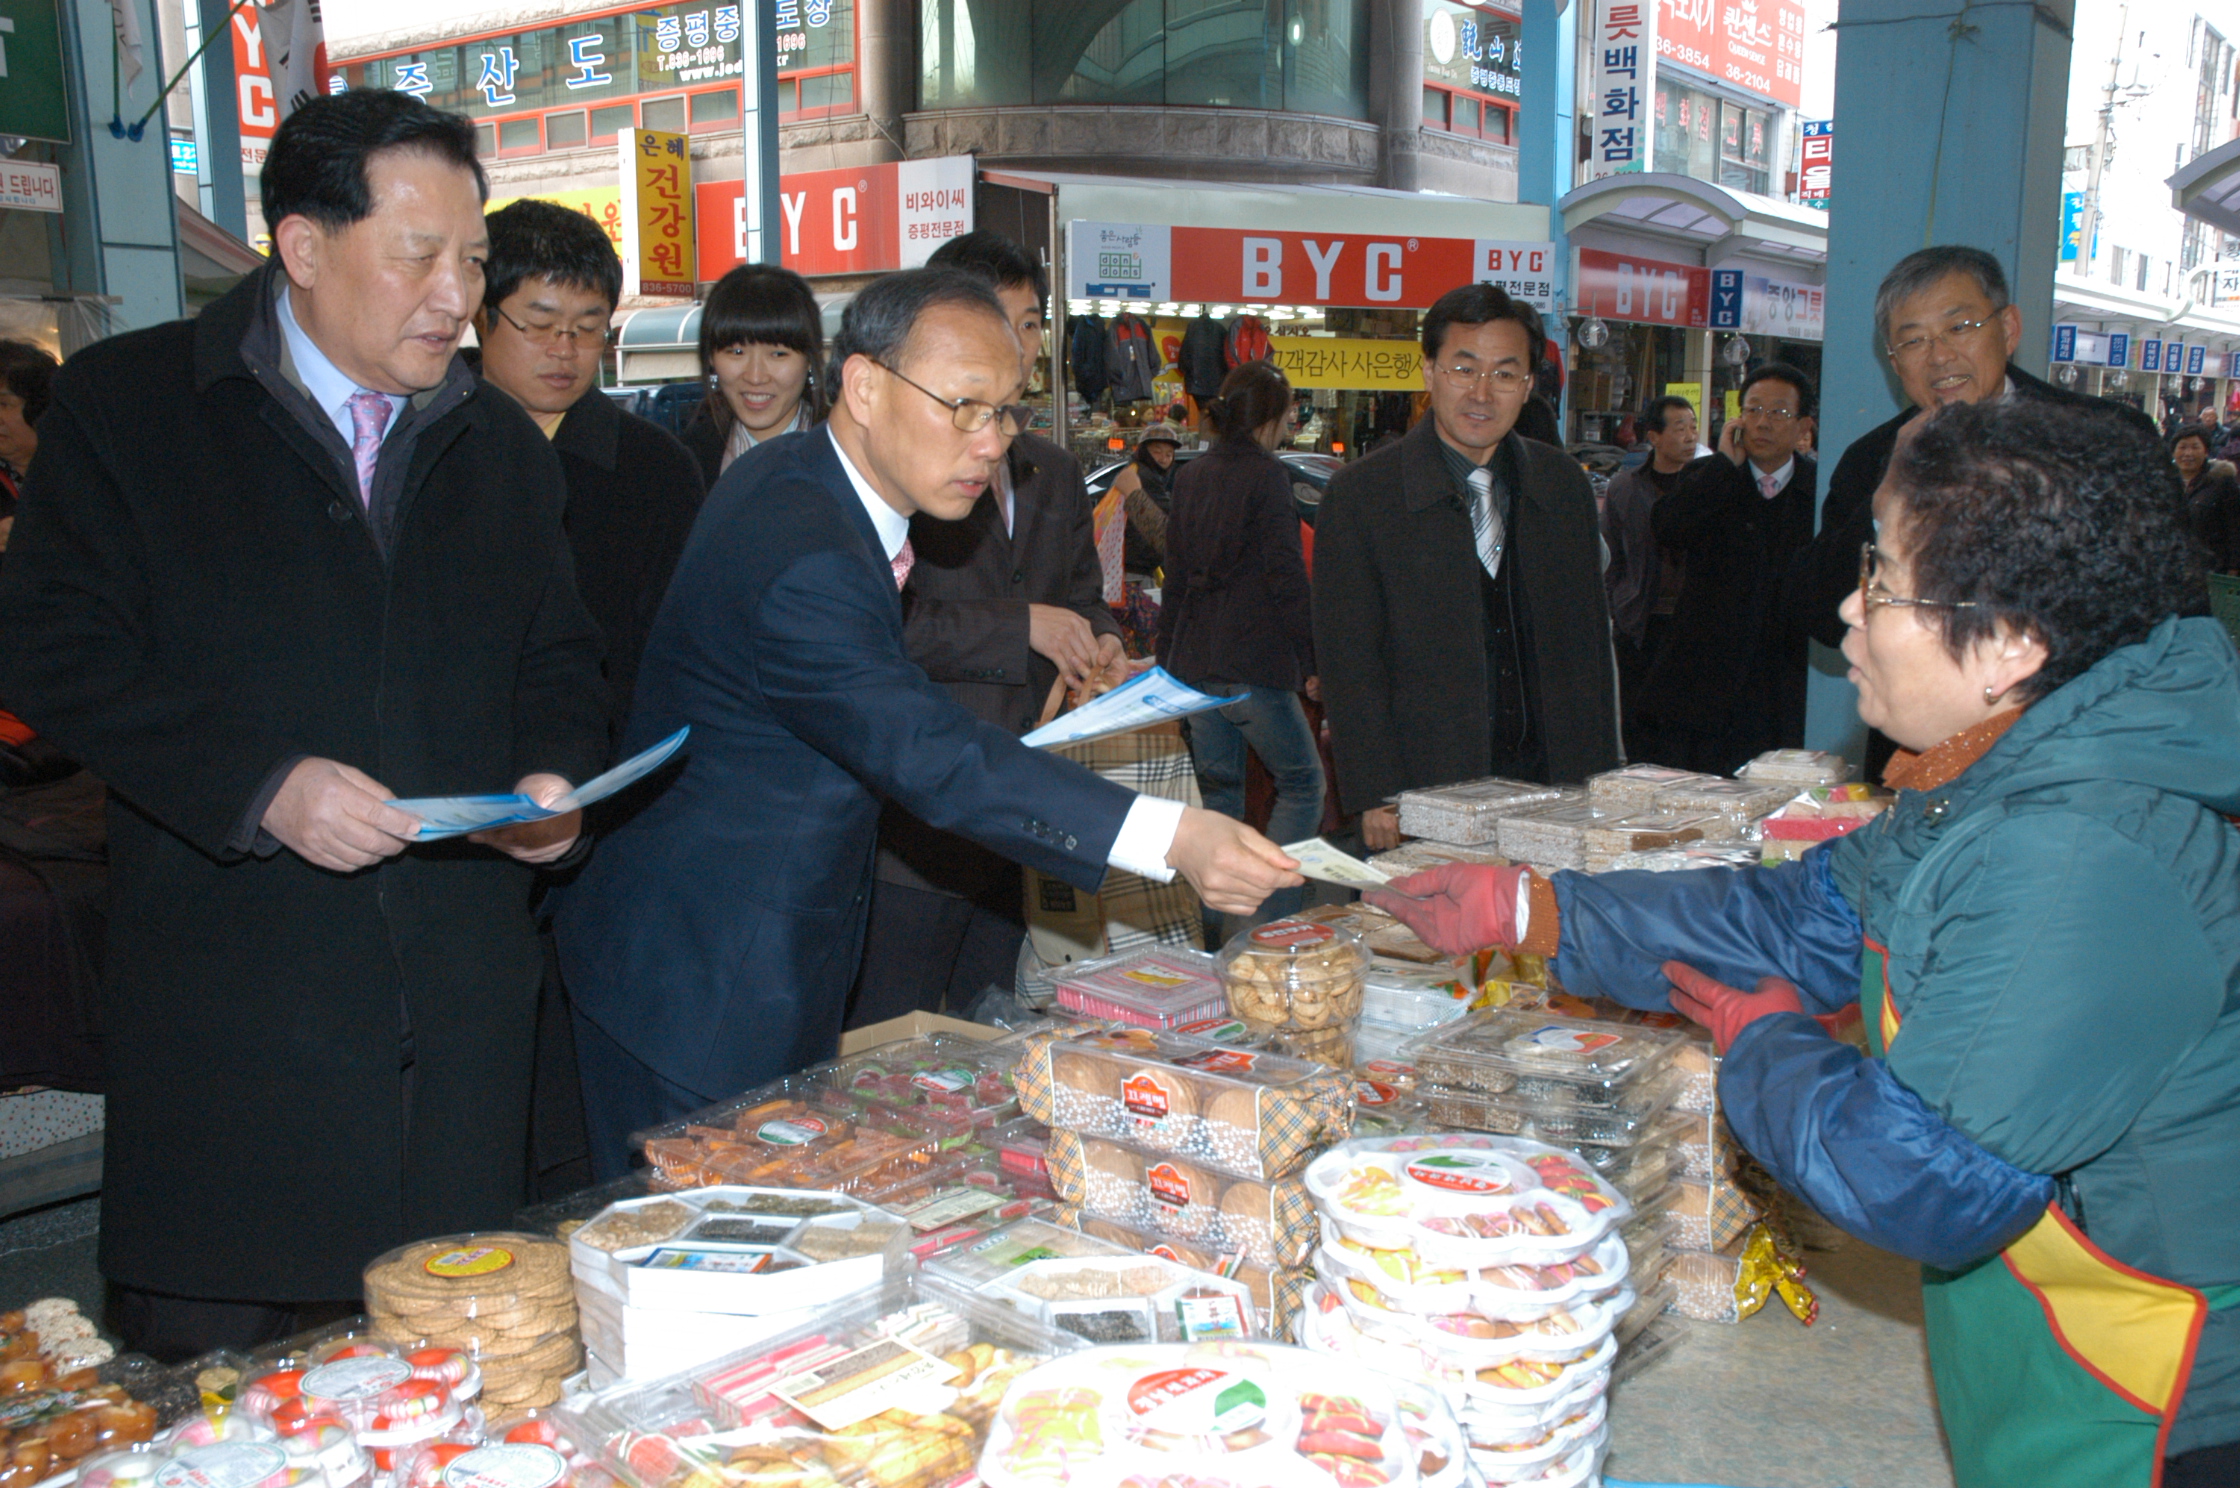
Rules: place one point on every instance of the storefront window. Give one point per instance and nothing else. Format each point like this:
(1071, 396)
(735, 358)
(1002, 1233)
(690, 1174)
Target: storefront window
(1710, 138)
(1306, 56)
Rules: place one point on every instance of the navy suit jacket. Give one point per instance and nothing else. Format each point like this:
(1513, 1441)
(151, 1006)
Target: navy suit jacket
(714, 934)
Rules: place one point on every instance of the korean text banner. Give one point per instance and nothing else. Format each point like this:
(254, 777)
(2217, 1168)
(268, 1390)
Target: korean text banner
(1233, 266)
(1754, 45)
(658, 240)
(1348, 363)
(1619, 286)
(1622, 85)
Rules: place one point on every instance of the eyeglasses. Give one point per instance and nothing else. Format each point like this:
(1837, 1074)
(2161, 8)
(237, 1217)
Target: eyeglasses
(1500, 379)
(971, 415)
(1778, 415)
(1915, 347)
(1872, 596)
(553, 335)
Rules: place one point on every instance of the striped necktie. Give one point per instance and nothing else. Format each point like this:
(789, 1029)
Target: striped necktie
(1485, 521)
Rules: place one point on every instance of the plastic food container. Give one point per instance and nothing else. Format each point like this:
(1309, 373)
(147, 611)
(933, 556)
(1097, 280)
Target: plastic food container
(1797, 767)
(1466, 814)
(1270, 1221)
(1299, 982)
(1741, 801)
(1551, 838)
(1253, 1413)
(1546, 1059)
(1604, 842)
(1411, 998)
(1631, 788)
(1111, 1296)
(1265, 1284)
(1417, 857)
(1625, 1125)
(742, 1251)
(1156, 988)
(1245, 1112)
(1710, 1213)
(504, 1297)
(896, 1390)
(1455, 1200)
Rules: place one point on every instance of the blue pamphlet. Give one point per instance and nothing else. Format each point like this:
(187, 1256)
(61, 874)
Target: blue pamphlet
(453, 816)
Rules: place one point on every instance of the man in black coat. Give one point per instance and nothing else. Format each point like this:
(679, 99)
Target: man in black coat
(1460, 622)
(259, 629)
(1950, 330)
(999, 606)
(549, 292)
(1729, 681)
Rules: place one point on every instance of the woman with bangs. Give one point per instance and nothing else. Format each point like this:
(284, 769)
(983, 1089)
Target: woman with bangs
(761, 349)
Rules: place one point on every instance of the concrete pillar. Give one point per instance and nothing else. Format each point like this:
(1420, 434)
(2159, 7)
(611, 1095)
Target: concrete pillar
(1547, 145)
(220, 122)
(1954, 140)
(885, 71)
(1396, 90)
(120, 230)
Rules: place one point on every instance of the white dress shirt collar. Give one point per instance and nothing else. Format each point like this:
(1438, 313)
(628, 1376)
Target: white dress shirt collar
(1780, 477)
(892, 526)
(329, 386)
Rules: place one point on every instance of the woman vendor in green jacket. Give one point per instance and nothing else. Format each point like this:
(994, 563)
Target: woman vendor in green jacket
(2044, 935)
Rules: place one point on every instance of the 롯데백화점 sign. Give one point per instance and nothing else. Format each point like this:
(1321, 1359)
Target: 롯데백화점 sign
(1622, 75)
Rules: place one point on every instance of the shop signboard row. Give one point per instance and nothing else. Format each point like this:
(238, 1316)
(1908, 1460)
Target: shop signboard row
(1236, 266)
(1754, 45)
(2074, 343)
(863, 220)
(1761, 305)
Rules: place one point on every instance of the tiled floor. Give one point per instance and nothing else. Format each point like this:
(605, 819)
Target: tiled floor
(1770, 1404)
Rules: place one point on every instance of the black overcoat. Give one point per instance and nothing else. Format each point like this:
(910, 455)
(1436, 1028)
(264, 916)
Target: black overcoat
(1399, 620)
(192, 599)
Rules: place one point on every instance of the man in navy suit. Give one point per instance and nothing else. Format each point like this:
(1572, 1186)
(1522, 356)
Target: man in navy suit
(711, 939)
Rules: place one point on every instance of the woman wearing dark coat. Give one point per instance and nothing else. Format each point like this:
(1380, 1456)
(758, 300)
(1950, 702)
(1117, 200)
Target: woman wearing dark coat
(2212, 498)
(1234, 617)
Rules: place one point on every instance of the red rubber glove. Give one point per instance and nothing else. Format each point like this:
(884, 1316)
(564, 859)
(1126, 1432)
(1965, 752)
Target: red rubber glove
(1458, 907)
(1726, 1010)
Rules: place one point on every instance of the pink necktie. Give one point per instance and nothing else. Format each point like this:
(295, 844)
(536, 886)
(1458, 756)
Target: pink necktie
(1767, 487)
(369, 419)
(901, 563)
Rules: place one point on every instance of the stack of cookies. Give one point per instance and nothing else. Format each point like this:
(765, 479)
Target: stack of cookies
(505, 1298)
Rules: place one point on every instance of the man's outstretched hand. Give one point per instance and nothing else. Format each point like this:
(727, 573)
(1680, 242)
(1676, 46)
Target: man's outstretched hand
(537, 841)
(1232, 867)
(336, 817)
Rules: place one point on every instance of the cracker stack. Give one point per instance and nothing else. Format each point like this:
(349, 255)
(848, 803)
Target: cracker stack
(503, 1297)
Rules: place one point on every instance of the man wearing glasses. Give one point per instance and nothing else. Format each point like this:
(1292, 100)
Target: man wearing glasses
(550, 290)
(710, 942)
(1729, 683)
(1945, 322)
(1460, 622)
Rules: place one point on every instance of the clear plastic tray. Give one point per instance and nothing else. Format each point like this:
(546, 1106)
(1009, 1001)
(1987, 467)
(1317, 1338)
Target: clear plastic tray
(1245, 1112)
(738, 1251)
(1708, 1215)
(1605, 842)
(1465, 814)
(1413, 998)
(1624, 1125)
(1424, 854)
(1552, 837)
(1741, 800)
(1271, 1221)
(1797, 767)
(1633, 787)
(735, 1420)
(1160, 987)
(1458, 1199)
(1536, 1056)
(1106, 1293)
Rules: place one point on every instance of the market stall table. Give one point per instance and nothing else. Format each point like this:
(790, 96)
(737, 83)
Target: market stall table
(1769, 1404)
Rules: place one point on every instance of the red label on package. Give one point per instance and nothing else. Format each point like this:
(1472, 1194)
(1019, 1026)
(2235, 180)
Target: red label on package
(1168, 1186)
(1461, 1172)
(1292, 935)
(1373, 1093)
(1144, 1096)
(1220, 1061)
(1154, 1390)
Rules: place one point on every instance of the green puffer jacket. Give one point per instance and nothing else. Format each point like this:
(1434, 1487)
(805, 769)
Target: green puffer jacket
(2062, 924)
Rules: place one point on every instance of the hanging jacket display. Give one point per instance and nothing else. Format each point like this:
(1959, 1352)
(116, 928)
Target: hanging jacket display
(1203, 358)
(1085, 358)
(1132, 358)
(1247, 341)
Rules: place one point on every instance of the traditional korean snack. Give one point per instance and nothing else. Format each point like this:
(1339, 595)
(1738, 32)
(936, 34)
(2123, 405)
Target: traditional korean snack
(1712, 1213)
(1632, 1121)
(1631, 788)
(1243, 1112)
(1221, 1413)
(1741, 801)
(1796, 767)
(1300, 982)
(1606, 841)
(1551, 838)
(1816, 815)
(1466, 814)
(503, 1297)
(1416, 857)
(1101, 1291)
(1461, 1200)
(1269, 1221)
(1161, 987)
(1729, 1284)
(895, 1391)
(1539, 1057)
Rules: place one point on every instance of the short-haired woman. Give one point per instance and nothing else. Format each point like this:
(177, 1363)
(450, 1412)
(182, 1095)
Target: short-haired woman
(2044, 935)
(1234, 617)
(761, 354)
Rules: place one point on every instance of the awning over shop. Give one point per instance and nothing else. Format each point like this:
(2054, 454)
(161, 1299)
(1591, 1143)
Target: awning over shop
(1719, 222)
(2208, 188)
(663, 344)
(2094, 300)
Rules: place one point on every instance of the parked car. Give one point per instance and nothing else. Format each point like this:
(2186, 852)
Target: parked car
(1310, 477)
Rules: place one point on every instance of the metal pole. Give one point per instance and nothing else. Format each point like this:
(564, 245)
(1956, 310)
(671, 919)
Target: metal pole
(1058, 342)
(2088, 221)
